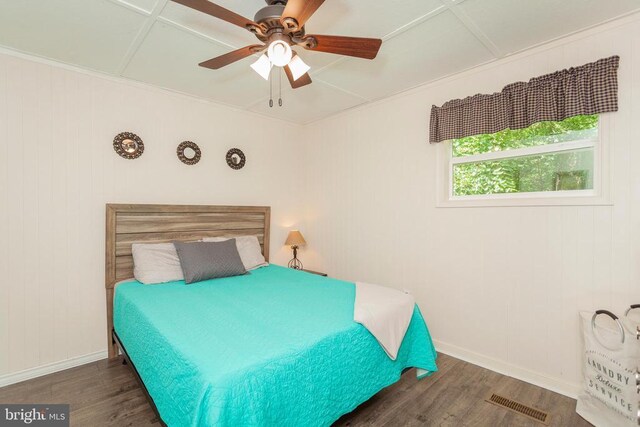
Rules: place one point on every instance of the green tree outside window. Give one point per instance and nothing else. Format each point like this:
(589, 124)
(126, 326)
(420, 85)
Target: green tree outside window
(554, 171)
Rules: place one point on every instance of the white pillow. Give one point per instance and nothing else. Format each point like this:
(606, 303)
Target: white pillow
(248, 248)
(156, 263)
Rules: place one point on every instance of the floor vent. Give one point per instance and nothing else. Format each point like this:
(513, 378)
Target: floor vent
(520, 408)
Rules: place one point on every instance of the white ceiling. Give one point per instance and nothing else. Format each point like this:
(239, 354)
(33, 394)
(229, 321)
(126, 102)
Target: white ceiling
(161, 42)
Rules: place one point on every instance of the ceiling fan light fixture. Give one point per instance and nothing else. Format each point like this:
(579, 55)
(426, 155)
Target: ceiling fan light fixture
(279, 26)
(262, 66)
(279, 53)
(298, 67)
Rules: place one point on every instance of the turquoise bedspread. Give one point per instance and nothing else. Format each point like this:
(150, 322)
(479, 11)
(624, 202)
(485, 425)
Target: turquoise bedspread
(276, 347)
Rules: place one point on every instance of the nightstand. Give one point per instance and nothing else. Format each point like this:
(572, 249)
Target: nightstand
(315, 272)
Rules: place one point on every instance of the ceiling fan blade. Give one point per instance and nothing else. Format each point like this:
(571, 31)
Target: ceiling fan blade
(303, 80)
(219, 12)
(231, 57)
(349, 46)
(300, 10)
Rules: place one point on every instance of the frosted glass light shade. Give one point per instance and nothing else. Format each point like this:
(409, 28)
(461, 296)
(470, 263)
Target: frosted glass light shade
(279, 53)
(262, 66)
(298, 67)
(295, 239)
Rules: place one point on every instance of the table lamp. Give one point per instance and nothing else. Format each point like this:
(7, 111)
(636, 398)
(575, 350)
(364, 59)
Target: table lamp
(295, 239)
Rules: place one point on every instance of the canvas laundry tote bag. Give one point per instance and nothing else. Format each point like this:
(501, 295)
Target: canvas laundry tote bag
(611, 360)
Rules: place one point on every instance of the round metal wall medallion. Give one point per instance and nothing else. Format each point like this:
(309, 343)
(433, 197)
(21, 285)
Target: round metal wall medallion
(236, 158)
(128, 145)
(189, 153)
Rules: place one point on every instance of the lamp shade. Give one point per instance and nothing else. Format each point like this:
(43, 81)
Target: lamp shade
(295, 239)
(279, 53)
(262, 66)
(298, 67)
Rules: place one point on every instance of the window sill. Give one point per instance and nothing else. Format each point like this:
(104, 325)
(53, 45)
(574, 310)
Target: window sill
(487, 202)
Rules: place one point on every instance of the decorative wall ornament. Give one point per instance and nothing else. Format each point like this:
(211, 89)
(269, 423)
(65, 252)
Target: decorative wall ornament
(236, 158)
(128, 145)
(191, 159)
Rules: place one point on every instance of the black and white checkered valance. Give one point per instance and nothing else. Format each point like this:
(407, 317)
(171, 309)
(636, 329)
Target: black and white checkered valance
(589, 89)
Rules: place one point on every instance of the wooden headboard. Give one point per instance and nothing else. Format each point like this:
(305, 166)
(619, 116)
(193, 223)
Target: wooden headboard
(128, 224)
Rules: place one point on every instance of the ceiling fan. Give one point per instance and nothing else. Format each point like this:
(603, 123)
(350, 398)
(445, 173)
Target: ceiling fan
(279, 26)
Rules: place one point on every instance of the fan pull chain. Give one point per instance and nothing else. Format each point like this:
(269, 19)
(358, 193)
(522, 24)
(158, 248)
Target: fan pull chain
(270, 90)
(280, 88)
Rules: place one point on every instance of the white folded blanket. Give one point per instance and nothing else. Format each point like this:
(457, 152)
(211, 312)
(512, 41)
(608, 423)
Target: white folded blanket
(385, 312)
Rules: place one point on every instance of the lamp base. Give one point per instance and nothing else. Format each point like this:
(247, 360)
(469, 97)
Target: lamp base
(295, 264)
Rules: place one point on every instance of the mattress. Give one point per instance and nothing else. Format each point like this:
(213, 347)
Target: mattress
(273, 347)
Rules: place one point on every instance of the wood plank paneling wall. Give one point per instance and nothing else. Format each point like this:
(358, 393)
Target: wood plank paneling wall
(498, 286)
(58, 170)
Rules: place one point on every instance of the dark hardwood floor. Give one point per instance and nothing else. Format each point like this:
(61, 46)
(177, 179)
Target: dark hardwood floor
(105, 393)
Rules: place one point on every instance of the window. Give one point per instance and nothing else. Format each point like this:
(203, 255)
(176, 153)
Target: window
(545, 160)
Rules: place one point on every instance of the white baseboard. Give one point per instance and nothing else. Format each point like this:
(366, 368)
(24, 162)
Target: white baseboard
(559, 386)
(50, 368)
(553, 384)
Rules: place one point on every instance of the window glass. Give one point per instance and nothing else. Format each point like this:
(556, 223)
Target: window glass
(545, 157)
(561, 171)
(543, 133)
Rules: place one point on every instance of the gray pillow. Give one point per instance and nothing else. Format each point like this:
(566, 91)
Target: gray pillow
(209, 260)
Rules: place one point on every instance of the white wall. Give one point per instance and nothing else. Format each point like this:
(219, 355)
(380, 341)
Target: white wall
(498, 286)
(58, 169)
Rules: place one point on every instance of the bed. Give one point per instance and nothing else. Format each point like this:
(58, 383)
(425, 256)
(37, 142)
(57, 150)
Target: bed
(273, 347)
